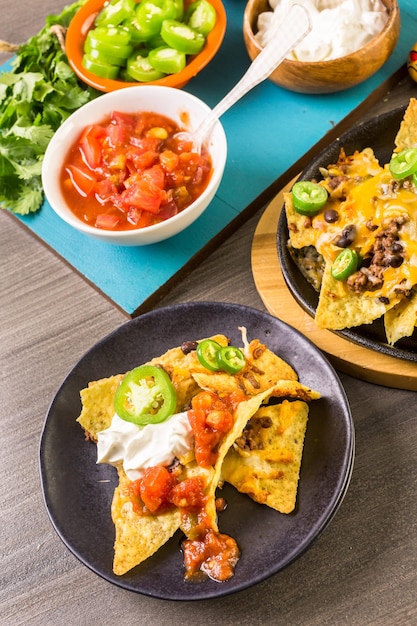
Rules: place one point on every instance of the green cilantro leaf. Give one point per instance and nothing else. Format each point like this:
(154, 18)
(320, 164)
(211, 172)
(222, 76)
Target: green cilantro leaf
(36, 97)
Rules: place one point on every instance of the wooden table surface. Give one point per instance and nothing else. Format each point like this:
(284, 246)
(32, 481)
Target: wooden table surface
(361, 570)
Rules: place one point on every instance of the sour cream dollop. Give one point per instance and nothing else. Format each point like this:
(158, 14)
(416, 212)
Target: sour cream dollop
(140, 447)
(339, 27)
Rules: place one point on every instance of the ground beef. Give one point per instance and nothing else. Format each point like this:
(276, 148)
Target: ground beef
(387, 251)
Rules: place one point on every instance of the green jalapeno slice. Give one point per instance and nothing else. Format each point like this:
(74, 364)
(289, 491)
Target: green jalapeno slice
(100, 68)
(146, 395)
(308, 197)
(139, 68)
(230, 359)
(181, 37)
(206, 354)
(345, 264)
(114, 12)
(109, 35)
(201, 16)
(167, 59)
(404, 163)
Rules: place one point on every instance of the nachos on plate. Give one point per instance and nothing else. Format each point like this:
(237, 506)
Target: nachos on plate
(353, 236)
(177, 427)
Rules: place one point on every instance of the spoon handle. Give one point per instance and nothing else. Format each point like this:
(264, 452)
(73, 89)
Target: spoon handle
(289, 33)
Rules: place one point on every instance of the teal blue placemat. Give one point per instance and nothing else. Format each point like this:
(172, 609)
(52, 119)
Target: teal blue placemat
(267, 132)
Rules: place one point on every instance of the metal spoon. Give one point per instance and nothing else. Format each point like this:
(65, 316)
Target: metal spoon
(292, 30)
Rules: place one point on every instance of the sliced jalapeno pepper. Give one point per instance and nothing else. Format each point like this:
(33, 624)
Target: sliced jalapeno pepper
(182, 37)
(109, 35)
(114, 12)
(308, 197)
(150, 14)
(201, 16)
(404, 163)
(230, 359)
(206, 353)
(104, 56)
(345, 264)
(99, 68)
(139, 68)
(145, 396)
(167, 60)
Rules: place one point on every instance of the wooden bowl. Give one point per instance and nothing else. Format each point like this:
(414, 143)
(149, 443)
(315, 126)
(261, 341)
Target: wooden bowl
(326, 76)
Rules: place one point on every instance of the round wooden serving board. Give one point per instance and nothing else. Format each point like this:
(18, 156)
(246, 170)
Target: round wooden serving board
(348, 357)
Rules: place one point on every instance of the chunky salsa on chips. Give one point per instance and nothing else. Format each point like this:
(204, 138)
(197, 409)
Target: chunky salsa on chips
(222, 428)
(358, 247)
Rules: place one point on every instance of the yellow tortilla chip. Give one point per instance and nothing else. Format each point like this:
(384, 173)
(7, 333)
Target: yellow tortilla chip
(339, 308)
(266, 464)
(407, 134)
(137, 536)
(370, 209)
(97, 405)
(401, 320)
(262, 370)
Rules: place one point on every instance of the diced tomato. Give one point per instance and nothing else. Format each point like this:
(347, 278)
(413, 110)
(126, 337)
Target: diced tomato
(169, 160)
(155, 175)
(209, 419)
(145, 144)
(105, 189)
(155, 487)
(82, 179)
(106, 221)
(91, 145)
(189, 493)
(142, 194)
(167, 210)
(123, 119)
(141, 160)
(140, 218)
(117, 134)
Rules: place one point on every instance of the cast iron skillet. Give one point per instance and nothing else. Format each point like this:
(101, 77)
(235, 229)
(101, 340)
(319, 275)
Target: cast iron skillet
(379, 134)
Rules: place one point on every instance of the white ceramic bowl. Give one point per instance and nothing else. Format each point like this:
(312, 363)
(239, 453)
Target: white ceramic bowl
(184, 108)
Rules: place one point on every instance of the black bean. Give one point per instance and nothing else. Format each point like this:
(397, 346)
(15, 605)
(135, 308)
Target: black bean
(396, 247)
(188, 346)
(347, 237)
(395, 260)
(331, 216)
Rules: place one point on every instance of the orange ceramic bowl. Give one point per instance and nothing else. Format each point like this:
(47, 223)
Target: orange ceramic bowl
(83, 21)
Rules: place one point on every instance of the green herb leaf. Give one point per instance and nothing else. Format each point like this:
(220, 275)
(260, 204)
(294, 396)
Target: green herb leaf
(36, 97)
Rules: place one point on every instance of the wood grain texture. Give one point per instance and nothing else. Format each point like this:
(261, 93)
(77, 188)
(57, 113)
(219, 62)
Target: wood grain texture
(346, 356)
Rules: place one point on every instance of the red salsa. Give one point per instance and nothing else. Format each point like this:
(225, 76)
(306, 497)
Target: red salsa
(206, 551)
(211, 417)
(130, 171)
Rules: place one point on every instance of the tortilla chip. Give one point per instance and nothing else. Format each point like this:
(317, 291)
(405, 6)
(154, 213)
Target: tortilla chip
(407, 134)
(339, 308)
(370, 207)
(401, 320)
(137, 536)
(269, 473)
(97, 405)
(262, 370)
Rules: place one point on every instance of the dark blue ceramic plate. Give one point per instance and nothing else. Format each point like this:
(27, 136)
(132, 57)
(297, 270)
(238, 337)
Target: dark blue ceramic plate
(378, 133)
(78, 492)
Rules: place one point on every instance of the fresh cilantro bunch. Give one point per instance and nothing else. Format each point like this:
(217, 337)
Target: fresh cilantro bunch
(36, 96)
